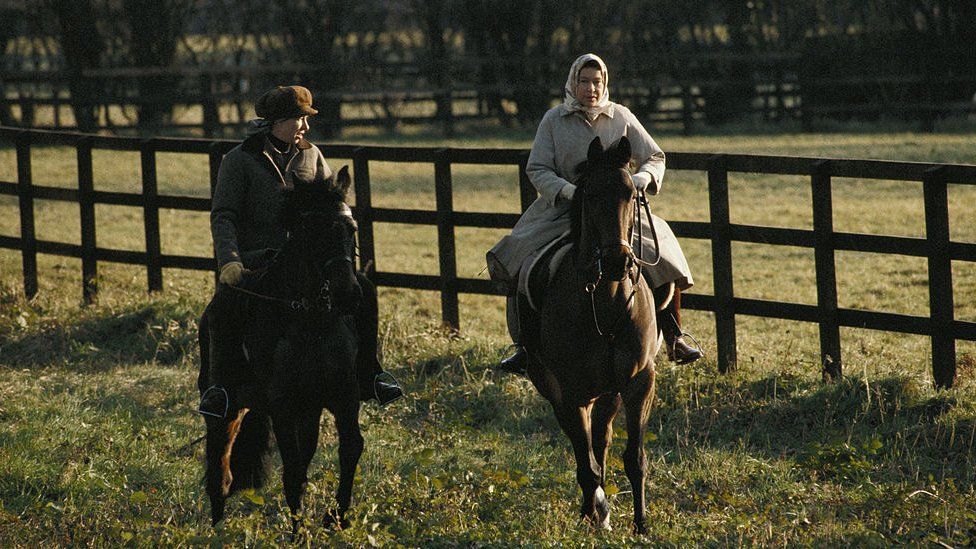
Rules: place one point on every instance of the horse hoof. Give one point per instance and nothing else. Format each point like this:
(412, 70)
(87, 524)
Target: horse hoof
(333, 519)
(216, 515)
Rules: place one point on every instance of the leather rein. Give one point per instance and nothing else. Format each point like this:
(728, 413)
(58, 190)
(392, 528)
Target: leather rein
(304, 304)
(323, 301)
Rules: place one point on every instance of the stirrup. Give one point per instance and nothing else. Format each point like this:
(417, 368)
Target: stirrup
(203, 397)
(387, 377)
(670, 347)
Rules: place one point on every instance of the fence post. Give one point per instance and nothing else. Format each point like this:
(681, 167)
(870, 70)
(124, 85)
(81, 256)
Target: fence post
(150, 202)
(364, 211)
(527, 193)
(718, 205)
(216, 156)
(86, 205)
(687, 108)
(445, 109)
(28, 240)
(940, 277)
(823, 252)
(445, 239)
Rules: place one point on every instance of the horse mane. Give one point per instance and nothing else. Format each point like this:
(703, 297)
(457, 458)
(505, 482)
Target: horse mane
(576, 207)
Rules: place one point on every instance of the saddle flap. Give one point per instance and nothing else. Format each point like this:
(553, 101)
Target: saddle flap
(537, 271)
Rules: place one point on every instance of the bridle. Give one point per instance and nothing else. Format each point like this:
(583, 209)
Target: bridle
(324, 301)
(633, 260)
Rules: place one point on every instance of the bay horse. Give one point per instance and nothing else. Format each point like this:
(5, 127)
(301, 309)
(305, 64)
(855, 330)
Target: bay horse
(284, 341)
(598, 334)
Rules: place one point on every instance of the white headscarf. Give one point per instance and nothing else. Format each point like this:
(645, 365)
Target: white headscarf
(573, 104)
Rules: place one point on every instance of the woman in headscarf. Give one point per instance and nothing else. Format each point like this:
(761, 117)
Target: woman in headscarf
(560, 145)
(246, 234)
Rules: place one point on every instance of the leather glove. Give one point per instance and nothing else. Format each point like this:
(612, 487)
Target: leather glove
(232, 273)
(567, 192)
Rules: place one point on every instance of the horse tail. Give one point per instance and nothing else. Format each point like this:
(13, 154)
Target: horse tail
(238, 453)
(250, 461)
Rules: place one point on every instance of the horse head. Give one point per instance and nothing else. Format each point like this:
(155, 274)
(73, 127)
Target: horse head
(603, 220)
(321, 233)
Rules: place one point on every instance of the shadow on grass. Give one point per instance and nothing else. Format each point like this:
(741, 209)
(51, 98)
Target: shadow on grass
(154, 332)
(890, 429)
(842, 431)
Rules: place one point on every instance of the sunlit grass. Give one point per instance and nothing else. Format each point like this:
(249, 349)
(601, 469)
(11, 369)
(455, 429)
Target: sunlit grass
(95, 402)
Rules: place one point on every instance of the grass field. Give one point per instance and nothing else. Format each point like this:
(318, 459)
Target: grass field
(95, 402)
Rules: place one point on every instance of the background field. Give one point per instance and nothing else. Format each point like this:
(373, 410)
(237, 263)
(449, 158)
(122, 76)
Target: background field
(95, 402)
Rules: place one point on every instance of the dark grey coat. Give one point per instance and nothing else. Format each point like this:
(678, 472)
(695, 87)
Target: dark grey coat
(244, 212)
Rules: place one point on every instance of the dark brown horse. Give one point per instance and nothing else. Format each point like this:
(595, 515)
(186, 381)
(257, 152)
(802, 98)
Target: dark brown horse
(286, 346)
(598, 336)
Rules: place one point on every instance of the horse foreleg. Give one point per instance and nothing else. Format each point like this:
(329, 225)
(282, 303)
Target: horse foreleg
(601, 424)
(637, 402)
(216, 443)
(575, 422)
(350, 450)
(286, 430)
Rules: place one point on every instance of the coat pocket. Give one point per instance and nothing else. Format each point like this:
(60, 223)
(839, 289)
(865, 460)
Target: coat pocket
(303, 174)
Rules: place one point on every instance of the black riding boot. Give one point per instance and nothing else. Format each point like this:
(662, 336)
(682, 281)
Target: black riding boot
(528, 330)
(669, 322)
(216, 385)
(373, 381)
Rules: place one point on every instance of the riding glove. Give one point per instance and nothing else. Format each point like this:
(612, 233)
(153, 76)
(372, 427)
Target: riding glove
(641, 179)
(567, 192)
(232, 273)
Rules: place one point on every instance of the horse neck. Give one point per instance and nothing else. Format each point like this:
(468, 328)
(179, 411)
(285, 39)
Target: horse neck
(285, 273)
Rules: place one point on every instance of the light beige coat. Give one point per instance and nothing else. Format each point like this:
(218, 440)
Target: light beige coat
(560, 146)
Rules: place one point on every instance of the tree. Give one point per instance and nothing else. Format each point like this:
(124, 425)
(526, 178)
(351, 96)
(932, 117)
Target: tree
(309, 31)
(82, 47)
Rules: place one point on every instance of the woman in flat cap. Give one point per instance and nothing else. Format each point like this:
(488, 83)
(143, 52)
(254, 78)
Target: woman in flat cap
(243, 219)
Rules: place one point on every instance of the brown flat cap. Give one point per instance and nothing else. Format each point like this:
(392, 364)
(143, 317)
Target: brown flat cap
(285, 102)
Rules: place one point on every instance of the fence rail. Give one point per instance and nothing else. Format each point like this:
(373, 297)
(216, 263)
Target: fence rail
(936, 246)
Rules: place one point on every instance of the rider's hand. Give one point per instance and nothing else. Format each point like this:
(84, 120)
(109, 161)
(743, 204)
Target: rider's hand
(641, 180)
(567, 192)
(232, 273)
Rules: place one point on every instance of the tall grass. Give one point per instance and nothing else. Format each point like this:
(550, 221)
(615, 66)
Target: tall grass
(95, 402)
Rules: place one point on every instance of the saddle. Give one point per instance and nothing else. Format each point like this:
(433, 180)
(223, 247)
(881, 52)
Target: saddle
(537, 271)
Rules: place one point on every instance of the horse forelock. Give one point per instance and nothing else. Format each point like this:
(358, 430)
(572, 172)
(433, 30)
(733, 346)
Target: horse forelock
(309, 197)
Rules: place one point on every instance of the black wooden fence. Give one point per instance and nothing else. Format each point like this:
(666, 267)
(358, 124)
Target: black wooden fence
(936, 246)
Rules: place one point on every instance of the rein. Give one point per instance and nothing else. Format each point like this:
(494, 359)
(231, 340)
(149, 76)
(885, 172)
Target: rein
(303, 304)
(636, 262)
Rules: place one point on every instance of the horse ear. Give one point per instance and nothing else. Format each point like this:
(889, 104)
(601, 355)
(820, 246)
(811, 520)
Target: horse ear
(343, 182)
(595, 151)
(621, 153)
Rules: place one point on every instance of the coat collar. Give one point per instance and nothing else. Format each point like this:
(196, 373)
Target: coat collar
(566, 111)
(255, 144)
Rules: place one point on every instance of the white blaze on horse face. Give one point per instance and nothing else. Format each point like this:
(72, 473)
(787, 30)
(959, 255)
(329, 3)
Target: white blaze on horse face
(589, 87)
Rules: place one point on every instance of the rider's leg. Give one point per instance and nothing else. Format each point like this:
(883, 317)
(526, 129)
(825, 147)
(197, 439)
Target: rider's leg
(669, 322)
(373, 381)
(524, 327)
(223, 366)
